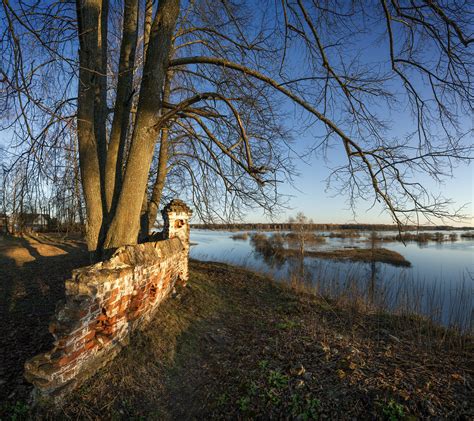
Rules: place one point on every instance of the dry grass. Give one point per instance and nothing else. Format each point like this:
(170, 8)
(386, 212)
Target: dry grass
(345, 234)
(235, 345)
(240, 236)
(419, 237)
(310, 238)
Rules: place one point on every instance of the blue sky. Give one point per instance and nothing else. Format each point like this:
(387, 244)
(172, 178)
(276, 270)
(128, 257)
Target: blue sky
(310, 194)
(325, 206)
(309, 191)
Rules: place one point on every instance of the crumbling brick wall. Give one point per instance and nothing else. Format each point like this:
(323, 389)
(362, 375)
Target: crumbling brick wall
(105, 302)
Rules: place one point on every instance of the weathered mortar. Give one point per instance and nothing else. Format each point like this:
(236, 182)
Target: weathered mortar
(105, 302)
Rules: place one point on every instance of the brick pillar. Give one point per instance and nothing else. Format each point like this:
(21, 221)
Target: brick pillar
(176, 216)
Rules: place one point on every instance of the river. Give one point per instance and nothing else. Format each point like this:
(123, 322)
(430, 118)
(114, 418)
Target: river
(439, 283)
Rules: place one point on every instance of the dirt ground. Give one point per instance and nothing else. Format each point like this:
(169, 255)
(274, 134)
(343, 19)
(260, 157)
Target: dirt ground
(235, 345)
(33, 269)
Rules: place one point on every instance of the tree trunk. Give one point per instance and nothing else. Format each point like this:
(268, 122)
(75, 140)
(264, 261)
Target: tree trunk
(126, 221)
(143, 233)
(148, 217)
(77, 194)
(123, 103)
(100, 106)
(147, 25)
(90, 63)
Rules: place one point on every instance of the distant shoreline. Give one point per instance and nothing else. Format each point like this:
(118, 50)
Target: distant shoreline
(324, 227)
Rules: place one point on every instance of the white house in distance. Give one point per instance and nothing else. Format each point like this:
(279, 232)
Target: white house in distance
(25, 222)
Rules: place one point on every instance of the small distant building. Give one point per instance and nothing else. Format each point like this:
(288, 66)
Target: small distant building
(4, 223)
(32, 222)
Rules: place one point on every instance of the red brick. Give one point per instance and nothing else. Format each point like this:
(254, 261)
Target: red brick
(64, 361)
(89, 345)
(101, 318)
(61, 343)
(82, 313)
(125, 298)
(89, 336)
(149, 285)
(112, 307)
(78, 352)
(111, 295)
(133, 314)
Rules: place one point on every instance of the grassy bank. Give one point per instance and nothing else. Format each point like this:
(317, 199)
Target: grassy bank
(234, 344)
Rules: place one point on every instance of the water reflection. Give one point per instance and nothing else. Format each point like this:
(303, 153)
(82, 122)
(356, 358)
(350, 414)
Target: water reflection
(439, 283)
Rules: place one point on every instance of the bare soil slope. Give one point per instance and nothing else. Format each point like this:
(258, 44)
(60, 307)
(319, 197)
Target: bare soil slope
(235, 345)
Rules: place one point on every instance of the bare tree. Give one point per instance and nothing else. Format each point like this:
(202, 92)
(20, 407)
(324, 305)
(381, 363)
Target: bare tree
(205, 81)
(299, 226)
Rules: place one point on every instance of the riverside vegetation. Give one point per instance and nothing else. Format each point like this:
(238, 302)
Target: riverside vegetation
(235, 344)
(358, 269)
(273, 247)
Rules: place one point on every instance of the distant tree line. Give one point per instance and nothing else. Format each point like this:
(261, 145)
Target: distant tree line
(29, 204)
(287, 226)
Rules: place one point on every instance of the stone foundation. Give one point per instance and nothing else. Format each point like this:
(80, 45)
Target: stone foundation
(105, 302)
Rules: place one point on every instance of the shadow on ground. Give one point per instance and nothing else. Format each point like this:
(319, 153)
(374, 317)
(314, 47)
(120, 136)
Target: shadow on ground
(234, 345)
(33, 269)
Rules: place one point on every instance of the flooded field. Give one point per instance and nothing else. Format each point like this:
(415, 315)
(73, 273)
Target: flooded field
(439, 283)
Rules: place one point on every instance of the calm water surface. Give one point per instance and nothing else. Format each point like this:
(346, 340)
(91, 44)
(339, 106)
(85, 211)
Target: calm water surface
(440, 282)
